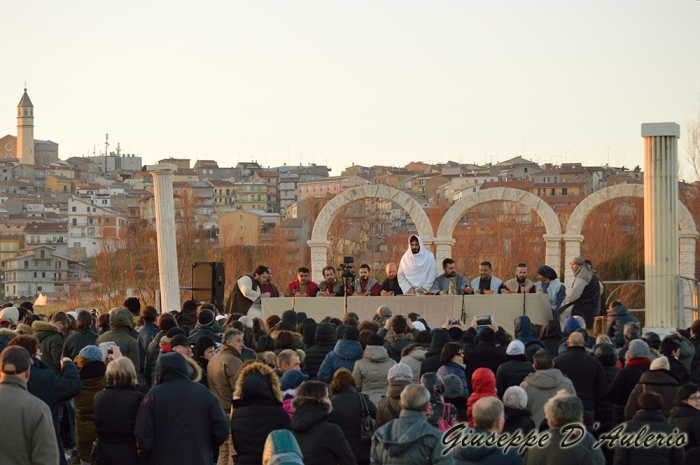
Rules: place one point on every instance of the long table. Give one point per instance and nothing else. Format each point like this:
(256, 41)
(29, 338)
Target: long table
(435, 309)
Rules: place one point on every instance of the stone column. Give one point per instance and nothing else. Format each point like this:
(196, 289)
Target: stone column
(319, 258)
(572, 248)
(165, 230)
(443, 249)
(661, 225)
(553, 251)
(688, 240)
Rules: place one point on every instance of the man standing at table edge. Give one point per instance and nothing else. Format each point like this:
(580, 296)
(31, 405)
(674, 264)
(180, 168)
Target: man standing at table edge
(417, 269)
(302, 286)
(246, 293)
(450, 282)
(486, 283)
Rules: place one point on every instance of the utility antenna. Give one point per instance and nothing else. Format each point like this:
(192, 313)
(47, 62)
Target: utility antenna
(119, 148)
(106, 145)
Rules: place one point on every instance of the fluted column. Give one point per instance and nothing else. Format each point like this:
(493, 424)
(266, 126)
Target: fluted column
(319, 258)
(553, 251)
(572, 244)
(165, 230)
(688, 240)
(661, 224)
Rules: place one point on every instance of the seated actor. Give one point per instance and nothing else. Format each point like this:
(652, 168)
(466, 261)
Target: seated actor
(365, 285)
(417, 269)
(450, 282)
(486, 283)
(302, 286)
(330, 286)
(390, 285)
(520, 282)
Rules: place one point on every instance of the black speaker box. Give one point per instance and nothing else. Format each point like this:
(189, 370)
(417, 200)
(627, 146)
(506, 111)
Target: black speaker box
(208, 282)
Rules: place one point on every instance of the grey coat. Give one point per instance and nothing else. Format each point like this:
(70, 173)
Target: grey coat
(442, 283)
(371, 372)
(540, 386)
(408, 440)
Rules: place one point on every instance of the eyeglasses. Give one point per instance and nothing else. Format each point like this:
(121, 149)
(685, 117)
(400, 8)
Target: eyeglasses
(694, 398)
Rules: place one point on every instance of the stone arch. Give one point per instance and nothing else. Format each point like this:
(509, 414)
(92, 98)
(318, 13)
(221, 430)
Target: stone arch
(444, 240)
(573, 238)
(319, 243)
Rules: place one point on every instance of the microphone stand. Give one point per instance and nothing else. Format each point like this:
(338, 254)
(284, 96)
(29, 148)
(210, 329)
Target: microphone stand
(464, 313)
(522, 289)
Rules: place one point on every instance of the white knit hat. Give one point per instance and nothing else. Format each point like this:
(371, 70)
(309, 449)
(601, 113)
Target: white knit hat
(400, 372)
(660, 363)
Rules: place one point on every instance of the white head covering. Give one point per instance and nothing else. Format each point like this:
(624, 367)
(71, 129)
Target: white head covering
(416, 267)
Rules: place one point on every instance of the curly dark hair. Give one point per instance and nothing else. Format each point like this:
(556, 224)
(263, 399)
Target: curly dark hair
(342, 379)
(311, 393)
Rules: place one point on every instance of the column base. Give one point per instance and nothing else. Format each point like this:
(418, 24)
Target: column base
(662, 332)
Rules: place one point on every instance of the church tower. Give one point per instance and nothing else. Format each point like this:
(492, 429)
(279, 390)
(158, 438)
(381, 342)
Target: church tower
(25, 130)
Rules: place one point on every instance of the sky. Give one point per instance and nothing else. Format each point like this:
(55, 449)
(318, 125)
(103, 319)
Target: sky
(364, 82)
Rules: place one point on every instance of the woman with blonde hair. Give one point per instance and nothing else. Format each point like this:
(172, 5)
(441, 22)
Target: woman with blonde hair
(115, 410)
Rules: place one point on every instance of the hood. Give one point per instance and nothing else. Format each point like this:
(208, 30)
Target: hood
(395, 388)
(571, 325)
(659, 377)
(348, 350)
(309, 333)
(545, 379)
(376, 354)
(440, 338)
(619, 311)
(171, 366)
(605, 353)
(268, 358)
(257, 381)
(484, 381)
(394, 338)
(89, 369)
(285, 458)
(476, 454)
(552, 330)
(512, 413)
(434, 385)
(453, 387)
(24, 329)
(523, 328)
(196, 369)
(46, 328)
(415, 350)
(281, 443)
(307, 416)
(324, 333)
(10, 314)
(122, 319)
(398, 437)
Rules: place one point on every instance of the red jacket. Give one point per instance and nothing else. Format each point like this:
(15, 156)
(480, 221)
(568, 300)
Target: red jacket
(311, 288)
(484, 385)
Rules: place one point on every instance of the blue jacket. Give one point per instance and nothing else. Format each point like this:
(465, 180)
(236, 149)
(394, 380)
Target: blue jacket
(485, 455)
(523, 332)
(453, 368)
(442, 283)
(617, 318)
(344, 355)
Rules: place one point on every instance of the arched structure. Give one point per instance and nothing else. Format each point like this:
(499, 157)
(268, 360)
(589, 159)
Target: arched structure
(319, 243)
(444, 240)
(572, 239)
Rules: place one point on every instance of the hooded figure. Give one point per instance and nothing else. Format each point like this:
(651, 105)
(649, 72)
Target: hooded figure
(432, 364)
(51, 340)
(417, 270)
(122, 333)
(346, 352)
(454, 394)
(160, 434)
(583, 297)
(551, 336)
(257, 411)
(281, 448)
(484, 383)
(324, 342)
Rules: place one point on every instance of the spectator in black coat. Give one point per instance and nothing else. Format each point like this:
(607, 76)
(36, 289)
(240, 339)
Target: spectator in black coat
(671, 349)
(115, 410)
(324, 343)
(586, 374)
(630, 332)
(204, 350)
(685, 414)
(606, 355)
(257, 404)
(618, 317)
(481, 351)
(551, 336)
(454, 394)
(517, 415)
(347, 412)
(321, 441)
(648, 416)
(637, 363)
(165, 436)
(146, 333)
(204, 328)
(431, 363)
(515, 369)
(84, 337)
(43, 383)
(166, 322)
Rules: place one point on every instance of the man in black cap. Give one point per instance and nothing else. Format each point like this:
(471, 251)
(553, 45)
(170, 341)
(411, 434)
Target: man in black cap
(26, 427)
(548, 283)
(204, 328)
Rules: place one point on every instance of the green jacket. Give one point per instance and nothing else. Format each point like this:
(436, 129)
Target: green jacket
(51, 340)
(122, 333)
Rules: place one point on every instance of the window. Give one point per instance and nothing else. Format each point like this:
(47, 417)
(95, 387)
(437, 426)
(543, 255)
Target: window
(552, 191)
(43, 275)
(75, 222)
(76, 244)
(88, 209)
(42, 254)
(73, 209)
(564, 191)
(35, 274)
(39, 288)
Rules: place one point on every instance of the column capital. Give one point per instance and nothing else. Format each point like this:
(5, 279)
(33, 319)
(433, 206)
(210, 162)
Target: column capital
(164, 168)
(572, 237)
(688, 234)
(444, 241)
(661, 129)
(552, 237)
(318, 243)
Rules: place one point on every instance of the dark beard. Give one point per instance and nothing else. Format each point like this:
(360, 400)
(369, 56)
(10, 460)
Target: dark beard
(521, 282)
(364, 278)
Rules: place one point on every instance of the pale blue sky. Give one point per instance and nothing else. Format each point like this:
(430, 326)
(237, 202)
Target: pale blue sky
(370, 82)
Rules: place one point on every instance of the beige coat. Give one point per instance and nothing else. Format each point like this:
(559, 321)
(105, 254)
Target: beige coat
(371, 372)
(28, 436)
(542, 385)
(222, 372)
(413, 356)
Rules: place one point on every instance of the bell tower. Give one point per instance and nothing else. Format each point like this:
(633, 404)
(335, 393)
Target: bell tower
(25, 130)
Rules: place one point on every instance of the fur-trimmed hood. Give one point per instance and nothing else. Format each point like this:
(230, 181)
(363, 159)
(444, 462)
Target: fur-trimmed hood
(197, 375)
(8, 333)
(269, 358)
(257, 380)
(415, 350)
(24, 329)
(276, 331)
(43, 326)
(399, 338)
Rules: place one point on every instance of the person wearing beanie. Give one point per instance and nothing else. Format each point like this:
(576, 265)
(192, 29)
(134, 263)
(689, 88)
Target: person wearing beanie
(281, 448)
(28, 434)
(583, 295)
(9, 317)
(515, 369)
(547, 283)
(621, 387)
(346, 352)
(658, 379)
(389, 406)
(205, 320)
(204, 350)
(92, 370)
(454, 394)
(517, 414)
(324, 342)
(481, 351)
(372, 370)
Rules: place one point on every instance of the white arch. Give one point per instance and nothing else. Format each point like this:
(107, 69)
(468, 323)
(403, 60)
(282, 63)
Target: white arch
(444, 240)
(319, 237)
